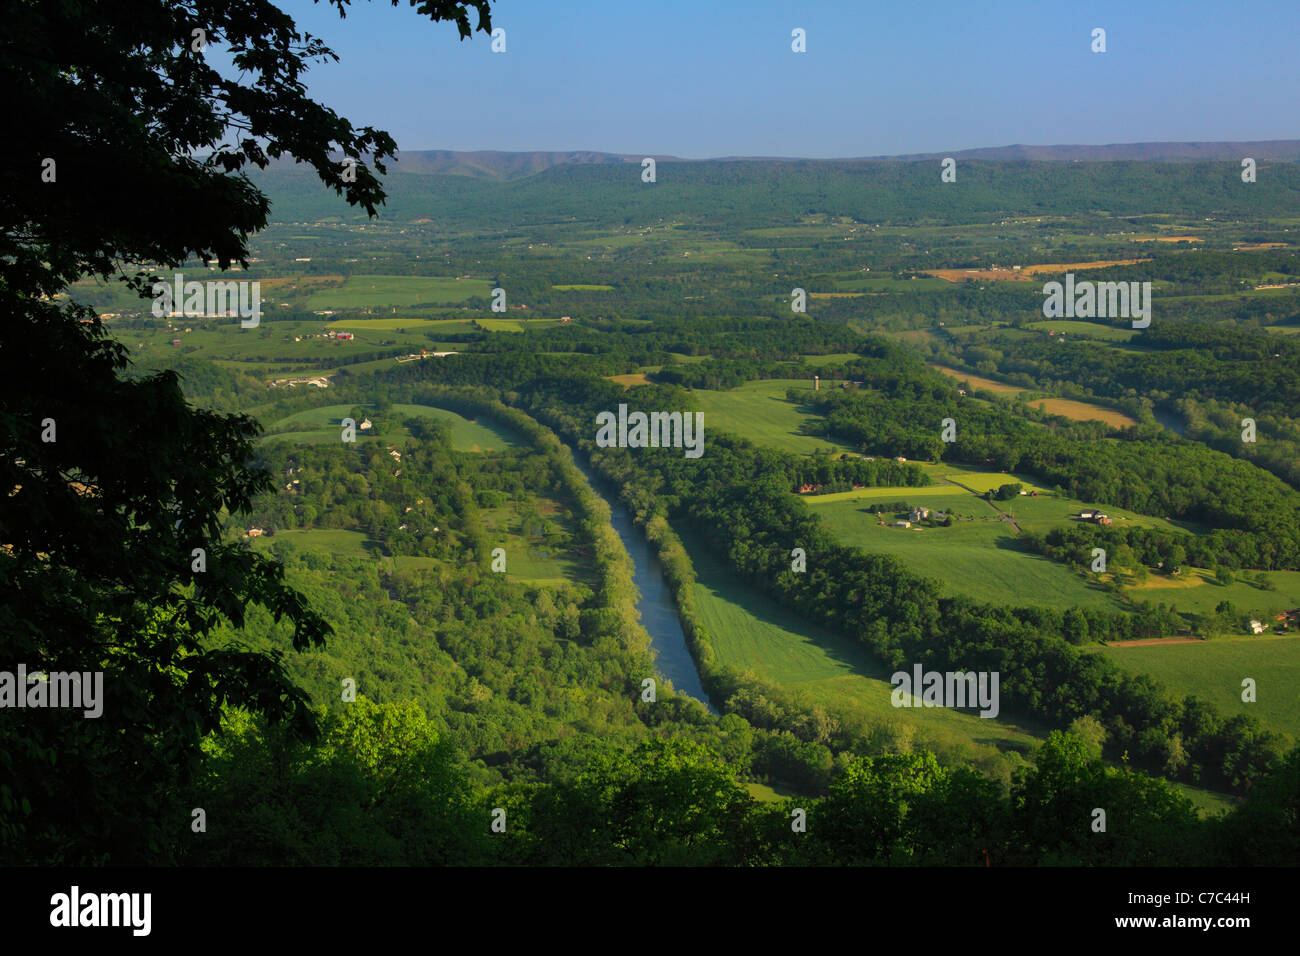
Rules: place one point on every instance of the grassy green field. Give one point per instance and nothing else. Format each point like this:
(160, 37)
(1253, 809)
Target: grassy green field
(391, 324)
(466, 435)
(764, 793)
(1196, 591)
(501, 325)
(525, 558)
(357, 292)
(979, 558)
(982, 559)
(890, 494)
(524, 561)
(1207, 802)
(1089, 330)
(579, 287)
(751, 632)
(1213, 670)
(1048, 511)
(760, 412)
(271, 343)
(832, 358)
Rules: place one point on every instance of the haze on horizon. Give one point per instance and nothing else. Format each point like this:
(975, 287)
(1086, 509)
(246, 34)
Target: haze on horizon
(711, 80)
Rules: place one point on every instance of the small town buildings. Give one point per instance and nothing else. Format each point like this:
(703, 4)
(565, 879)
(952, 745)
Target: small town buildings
(1257, 627)
(919, 514)
(901, 524)
(254, 532)
(365, 425)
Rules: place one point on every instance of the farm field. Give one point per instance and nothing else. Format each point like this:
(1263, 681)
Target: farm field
(526, 559)
(631, 379)
(980, 559)
(357, 292)
(950, 478)
(1048, 511)
(1083, 411)
(466, 435)
(1027, 273)
(750, 632)
(760, 412)
(394, 324)
(513, 325)
(889, 493)
(832, 358)
(1052, 268)
(983, 275)
(272, 342)
(1213, 670)
(978, 382)
(1091, 330)
(1195, 591)
(982, 481)
(1065, 407)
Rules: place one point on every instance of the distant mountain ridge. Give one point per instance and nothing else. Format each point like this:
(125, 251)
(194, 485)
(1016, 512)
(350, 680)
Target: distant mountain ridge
(501, 164)
(1272, 150)
(504, 164)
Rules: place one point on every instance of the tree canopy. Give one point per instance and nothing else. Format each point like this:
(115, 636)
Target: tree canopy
(130, 154)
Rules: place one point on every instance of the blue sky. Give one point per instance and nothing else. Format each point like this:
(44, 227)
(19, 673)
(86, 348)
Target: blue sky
(718, 78)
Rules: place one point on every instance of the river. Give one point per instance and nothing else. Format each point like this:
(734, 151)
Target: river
(656, 607)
